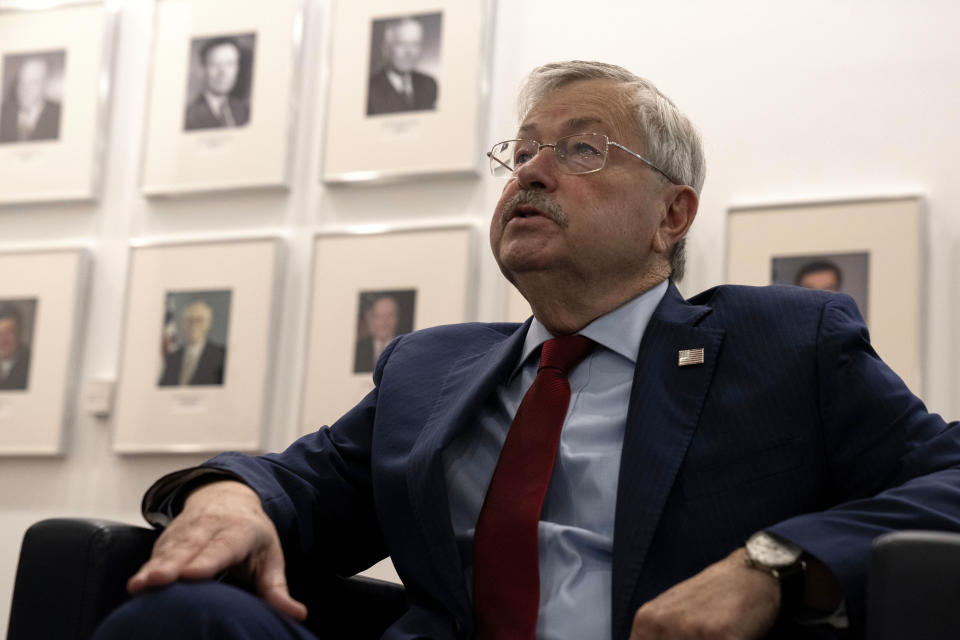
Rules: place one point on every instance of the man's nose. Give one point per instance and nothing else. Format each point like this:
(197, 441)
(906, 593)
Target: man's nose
(539, 172)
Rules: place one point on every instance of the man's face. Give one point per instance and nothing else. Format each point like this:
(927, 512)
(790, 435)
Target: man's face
(196, 324)
(825, 280)
(602, 224)
(9, 337)
(220, 69)
(382, 319)
(32, 82)
(405, 47)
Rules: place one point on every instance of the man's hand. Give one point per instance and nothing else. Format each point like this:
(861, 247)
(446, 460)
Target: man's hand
(727, 601)
(222, 525)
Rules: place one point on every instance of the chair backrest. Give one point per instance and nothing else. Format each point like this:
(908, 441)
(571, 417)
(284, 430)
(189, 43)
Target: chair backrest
(913, 590)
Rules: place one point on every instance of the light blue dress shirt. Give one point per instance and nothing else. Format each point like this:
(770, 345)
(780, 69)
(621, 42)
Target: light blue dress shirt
(575, 534)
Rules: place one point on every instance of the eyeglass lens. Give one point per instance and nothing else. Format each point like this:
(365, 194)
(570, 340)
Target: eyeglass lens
(580, 153)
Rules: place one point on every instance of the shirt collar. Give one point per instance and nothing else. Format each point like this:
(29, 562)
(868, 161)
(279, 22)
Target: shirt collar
(619, 330)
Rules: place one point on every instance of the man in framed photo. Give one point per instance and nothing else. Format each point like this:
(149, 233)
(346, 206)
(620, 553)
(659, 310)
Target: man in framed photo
(820, 274)
(398, 86)
(625, 464)
(198, 362)
(27, 112)
(14, 354)
(217, 105)
(380, 319)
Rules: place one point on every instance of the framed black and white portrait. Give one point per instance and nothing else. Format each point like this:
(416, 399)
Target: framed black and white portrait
(404, 63)
(197, 345)
(367, 289)
(406, 89)
(868, 249)
(32, 96)
(54, 83)
(42, 303)
(223, 95)
(219, 81)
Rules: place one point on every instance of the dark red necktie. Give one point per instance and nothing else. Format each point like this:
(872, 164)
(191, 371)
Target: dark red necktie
(506, 571)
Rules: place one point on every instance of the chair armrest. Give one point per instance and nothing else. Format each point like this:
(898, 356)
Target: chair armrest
(72, 572)
(913, 588)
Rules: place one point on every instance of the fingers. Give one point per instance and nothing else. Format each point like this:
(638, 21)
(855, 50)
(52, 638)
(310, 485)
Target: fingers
(193, 553)
(272, 585)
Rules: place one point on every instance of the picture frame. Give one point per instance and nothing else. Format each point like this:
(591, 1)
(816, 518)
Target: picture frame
(198, 345)
(871, 248)
(223, 97)
(407, 89)
(41, 323)
(429, 277)
(55, 77)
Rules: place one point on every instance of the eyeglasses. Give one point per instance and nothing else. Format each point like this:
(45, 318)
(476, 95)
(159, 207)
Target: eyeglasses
(577, 154)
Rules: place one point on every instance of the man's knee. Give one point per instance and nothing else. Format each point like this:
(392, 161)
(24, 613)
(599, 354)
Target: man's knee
(192, 611)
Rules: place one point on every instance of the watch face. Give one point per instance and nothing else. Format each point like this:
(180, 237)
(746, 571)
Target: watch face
(766, 550)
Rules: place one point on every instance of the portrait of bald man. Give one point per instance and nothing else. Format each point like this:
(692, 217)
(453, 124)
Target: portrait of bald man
(399, 46)
(218, 91)
(195, 360)
(31, 96)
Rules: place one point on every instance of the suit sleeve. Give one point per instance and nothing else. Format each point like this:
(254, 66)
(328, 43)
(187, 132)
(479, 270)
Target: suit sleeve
(318, 492)
(893, 464)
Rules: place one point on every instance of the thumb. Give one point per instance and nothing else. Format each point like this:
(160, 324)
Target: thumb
(272, 585)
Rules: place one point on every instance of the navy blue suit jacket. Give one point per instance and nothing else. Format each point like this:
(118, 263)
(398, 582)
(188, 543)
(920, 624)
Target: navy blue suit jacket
(792, 423)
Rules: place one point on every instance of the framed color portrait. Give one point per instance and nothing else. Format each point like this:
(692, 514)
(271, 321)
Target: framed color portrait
(406, 89)
(222, 96)
(868, 249)
(54, 84)
(42, 297)
(368, 289)
(197, 346)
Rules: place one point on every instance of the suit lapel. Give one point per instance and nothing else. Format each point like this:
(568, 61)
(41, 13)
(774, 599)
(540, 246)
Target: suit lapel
(665, 404)
(469, 383)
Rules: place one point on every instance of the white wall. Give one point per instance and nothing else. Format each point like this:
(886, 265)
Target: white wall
(807, 101)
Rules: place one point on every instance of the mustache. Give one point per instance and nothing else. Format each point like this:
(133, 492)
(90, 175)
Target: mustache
(538, 201)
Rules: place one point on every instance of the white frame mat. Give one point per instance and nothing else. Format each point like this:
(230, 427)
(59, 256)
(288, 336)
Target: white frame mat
(68, 167)
(256, 154)
(32, 421)
(435, 262)
(447, 139)
(209, 417)
(889, 230)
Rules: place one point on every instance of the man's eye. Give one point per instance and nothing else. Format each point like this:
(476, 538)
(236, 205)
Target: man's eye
(584, 149)
(520, 157)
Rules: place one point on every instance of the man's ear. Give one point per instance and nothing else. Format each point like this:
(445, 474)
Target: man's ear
(681, 208)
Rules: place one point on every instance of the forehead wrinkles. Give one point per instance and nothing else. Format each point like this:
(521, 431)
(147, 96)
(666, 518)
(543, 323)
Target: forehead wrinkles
(605, 101)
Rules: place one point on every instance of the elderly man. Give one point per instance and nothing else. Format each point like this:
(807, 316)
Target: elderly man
(624, 464)
(198, 361)
(217, 106)
(398, 86)
(27, 113)
(14, 355)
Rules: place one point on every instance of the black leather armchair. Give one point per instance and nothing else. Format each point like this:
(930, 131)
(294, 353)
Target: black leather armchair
(73, 572)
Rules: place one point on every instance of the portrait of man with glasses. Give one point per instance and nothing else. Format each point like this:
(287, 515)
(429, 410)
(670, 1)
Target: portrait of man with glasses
(627, 463)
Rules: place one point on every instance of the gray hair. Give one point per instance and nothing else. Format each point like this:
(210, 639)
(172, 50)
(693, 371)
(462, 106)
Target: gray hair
(672, 142)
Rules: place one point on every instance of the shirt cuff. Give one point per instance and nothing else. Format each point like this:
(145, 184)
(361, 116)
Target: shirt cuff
(164, 500)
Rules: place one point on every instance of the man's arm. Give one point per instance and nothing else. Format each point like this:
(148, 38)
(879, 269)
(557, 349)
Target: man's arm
(222, 526)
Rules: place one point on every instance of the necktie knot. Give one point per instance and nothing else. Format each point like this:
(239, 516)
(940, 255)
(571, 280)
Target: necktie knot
(565, 352)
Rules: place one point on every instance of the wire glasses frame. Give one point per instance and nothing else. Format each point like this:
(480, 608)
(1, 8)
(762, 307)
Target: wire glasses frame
(578, 154)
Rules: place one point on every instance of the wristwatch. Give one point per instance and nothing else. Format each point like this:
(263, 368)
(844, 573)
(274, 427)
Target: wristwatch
(784, 561)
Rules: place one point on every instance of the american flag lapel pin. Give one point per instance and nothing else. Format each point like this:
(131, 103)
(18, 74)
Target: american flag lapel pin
(688, 357)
